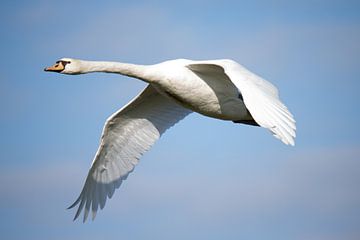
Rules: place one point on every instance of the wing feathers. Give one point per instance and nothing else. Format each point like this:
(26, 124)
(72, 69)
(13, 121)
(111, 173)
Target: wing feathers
(261, 98)
(127, 135)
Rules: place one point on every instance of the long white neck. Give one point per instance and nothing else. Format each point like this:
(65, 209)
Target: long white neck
(131, 70)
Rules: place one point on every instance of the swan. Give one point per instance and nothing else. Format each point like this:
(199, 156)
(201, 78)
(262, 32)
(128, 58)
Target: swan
(221, 89)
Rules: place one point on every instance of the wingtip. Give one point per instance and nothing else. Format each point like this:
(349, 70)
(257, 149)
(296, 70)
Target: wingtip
(93, 216)
(289, 140)
(70, 207)
(74, 203)
(76, 215)
(292, 143)
(79, 210)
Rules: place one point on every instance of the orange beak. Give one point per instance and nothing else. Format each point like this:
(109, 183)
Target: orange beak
(57, 67)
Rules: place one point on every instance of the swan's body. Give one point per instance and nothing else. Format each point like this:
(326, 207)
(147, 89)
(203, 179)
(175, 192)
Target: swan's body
(201, 92)
(220, 89)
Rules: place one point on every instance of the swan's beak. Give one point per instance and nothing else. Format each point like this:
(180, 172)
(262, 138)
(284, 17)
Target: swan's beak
(57, 67)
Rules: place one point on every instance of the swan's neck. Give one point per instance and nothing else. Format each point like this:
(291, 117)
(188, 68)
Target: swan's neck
(131, 70)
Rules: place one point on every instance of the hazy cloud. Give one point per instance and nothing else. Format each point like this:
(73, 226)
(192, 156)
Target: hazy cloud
(321, 183)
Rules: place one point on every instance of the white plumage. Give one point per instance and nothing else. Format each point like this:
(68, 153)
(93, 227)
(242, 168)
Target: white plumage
(221, 89)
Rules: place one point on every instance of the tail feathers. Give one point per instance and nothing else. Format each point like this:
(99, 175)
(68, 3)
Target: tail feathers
(247, 122)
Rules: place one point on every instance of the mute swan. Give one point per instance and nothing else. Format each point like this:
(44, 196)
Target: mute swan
(221, 89)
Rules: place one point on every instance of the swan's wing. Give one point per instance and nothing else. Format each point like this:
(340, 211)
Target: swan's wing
(261, 98)
(127, 134)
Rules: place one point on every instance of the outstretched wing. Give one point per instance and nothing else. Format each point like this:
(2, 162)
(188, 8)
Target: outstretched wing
(127, 134)
(261, 98)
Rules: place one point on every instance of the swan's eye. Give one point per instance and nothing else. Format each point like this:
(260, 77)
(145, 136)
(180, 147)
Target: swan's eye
(62, 62)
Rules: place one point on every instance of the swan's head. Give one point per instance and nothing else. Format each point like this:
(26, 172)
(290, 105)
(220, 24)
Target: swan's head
(66, 66)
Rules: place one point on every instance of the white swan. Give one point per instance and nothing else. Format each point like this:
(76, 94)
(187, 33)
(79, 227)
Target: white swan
(220, 89)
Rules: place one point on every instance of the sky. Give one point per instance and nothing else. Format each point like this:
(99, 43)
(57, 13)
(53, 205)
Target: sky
(205, 178)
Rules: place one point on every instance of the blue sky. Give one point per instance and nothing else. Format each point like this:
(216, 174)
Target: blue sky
(205, 179)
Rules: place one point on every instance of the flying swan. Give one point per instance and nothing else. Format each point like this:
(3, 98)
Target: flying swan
(221, 89)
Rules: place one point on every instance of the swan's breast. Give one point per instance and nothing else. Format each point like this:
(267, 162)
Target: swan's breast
(212, 96)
